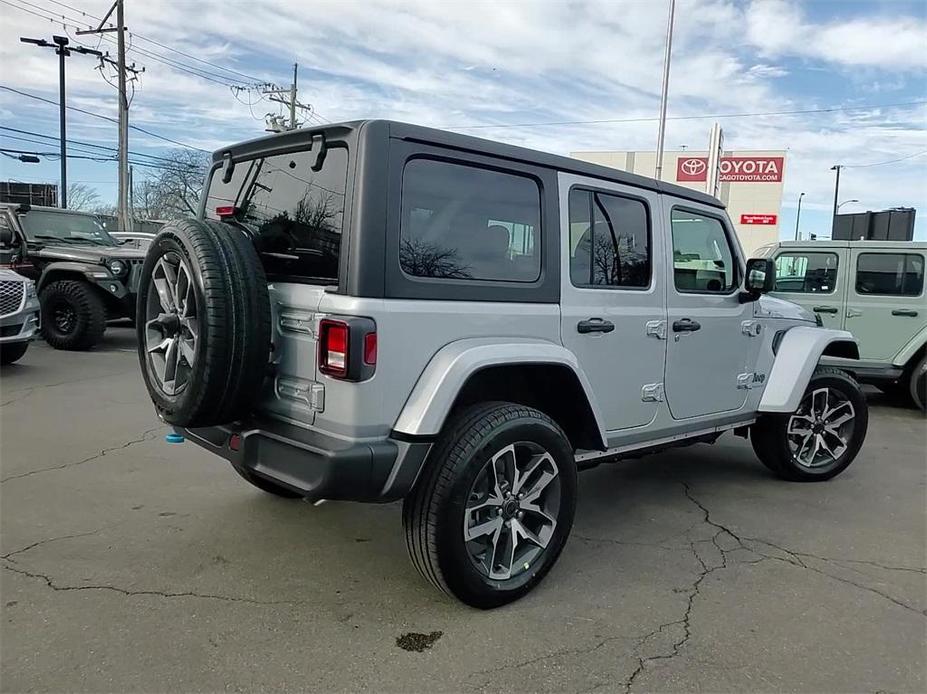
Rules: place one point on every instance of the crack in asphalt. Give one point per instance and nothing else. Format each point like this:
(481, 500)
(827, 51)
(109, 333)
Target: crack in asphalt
(146, 593)
(793, 558)
(26, 392)
(47, 540)
(146, 436)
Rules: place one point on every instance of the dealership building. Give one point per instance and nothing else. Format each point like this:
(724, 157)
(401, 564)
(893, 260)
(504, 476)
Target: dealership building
(749, 184)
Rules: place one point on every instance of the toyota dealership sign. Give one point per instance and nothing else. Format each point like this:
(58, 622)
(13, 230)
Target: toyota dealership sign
(732, 169)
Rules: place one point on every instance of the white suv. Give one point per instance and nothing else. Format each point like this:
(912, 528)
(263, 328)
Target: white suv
(375, 311)
(874, 289)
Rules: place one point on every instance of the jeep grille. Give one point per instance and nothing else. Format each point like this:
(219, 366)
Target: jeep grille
(11, 296)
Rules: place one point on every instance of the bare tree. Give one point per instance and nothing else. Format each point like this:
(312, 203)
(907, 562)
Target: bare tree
(173, 191)
(423, 259)
(82, 197)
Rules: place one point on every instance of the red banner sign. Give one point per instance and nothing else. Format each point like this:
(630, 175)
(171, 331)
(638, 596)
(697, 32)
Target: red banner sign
(732, 169)
(758, 218)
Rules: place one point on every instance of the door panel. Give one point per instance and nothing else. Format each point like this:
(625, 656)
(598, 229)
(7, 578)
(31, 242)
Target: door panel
(610, 291)
(886, 305)
(815, 280)
(703, 364)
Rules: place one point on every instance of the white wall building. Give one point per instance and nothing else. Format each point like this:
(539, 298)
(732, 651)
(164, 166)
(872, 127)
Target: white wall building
(750, 184)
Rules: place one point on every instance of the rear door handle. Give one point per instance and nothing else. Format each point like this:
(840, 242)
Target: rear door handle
(825, 309)
(686, 325)
(594, 325)
(910, 312)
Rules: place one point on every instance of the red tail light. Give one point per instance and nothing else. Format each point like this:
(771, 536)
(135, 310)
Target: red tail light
(334, 339)
(225, 211)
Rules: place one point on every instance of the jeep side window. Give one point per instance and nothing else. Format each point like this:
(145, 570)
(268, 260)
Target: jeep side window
(809, 273)
(467, 223)
(703, 260)
(892, 274)
(609, 240)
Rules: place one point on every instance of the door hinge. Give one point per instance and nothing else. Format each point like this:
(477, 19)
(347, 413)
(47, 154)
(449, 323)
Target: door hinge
(310, 394)
(751, 328)
(657, 329)
(854, 313)
(652, 392)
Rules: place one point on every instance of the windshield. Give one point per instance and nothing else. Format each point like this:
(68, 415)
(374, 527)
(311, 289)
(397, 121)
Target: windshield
(68, 228)
(294, 213)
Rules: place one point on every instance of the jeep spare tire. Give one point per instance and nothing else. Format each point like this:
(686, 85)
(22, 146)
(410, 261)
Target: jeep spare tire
(203, 323)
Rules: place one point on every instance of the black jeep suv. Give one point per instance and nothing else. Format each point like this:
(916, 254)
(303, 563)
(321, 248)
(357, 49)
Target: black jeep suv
(84, 276)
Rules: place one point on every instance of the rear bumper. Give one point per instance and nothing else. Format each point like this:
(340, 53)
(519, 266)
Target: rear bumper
(314, 464)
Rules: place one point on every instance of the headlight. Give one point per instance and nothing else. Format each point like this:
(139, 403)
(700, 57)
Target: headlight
(117, 267)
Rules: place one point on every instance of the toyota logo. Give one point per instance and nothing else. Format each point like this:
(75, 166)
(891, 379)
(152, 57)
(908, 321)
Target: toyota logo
(693, 167)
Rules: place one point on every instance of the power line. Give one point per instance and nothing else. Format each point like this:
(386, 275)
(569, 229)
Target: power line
(107, 118)
(86, 144)
(881, 163)
(833, 109)
(161, 45)
(171, 62)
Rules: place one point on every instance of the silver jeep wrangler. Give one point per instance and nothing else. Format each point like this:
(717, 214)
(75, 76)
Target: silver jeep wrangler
(374, 311)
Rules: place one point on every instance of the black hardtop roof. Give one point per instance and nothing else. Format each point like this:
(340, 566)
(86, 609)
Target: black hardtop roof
(468, 143)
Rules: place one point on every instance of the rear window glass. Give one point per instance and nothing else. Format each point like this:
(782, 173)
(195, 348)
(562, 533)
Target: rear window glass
(295, 214)
(466, 223)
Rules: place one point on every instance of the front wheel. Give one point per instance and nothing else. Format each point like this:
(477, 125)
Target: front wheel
(494, 506)
(917, 384)
(822, 437)
(73, 315)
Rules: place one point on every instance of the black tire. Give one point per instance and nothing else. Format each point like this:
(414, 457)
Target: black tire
(233, 319)
(73, 314)
(265, 485)
(434, 513)
(916, 383)
(12, 352)
(771, 443)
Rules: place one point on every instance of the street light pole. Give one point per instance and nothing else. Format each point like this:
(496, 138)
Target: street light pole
(661, 132)
(60, 44)
(798, 217)
(846, 202)
(833, 222)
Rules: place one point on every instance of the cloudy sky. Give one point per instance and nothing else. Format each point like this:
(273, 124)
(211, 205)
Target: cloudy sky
(556, 76)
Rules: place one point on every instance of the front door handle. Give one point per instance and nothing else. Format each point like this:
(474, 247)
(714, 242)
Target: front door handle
(686, 325)
(910, 312)
(825, 309)
(594, 325)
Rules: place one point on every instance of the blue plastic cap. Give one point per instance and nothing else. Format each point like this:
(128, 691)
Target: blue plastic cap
(174, 438)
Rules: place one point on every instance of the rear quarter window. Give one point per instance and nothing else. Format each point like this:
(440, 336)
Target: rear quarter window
(463, 222)
(890, 274)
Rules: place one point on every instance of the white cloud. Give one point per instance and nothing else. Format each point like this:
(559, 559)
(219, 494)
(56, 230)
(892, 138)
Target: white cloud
(780, 28)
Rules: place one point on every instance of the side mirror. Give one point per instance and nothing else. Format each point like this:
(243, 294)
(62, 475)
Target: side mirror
(760, 278)
(6, 237)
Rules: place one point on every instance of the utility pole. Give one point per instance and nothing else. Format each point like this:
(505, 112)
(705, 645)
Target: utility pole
(60, 44)
(798, 217)
(287, 97)
(124, 215)
(661, 131)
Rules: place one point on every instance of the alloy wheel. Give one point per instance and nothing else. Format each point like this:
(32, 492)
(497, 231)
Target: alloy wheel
(171, 323)
(822, 428)
(512, 509)
(65, 318)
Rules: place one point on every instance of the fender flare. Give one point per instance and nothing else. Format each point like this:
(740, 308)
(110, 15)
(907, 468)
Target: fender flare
(797, 357)
(913, 347)
(448, 370)
(70, 268)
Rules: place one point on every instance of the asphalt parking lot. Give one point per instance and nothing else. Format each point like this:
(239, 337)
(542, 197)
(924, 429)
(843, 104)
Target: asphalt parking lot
(133, 565)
